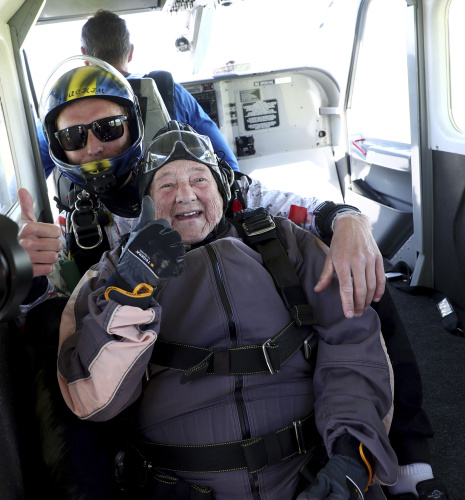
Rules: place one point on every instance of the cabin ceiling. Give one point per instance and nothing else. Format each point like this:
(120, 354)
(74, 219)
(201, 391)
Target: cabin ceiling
(57, 10)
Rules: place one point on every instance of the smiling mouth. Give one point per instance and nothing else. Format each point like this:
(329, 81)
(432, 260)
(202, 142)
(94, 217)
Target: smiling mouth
(188, 215)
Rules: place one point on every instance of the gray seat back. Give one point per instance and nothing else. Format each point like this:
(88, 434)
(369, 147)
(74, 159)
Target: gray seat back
(154, 112)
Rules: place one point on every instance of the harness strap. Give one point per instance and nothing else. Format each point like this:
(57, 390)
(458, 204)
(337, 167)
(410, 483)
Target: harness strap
(237, 202)
(316, 461)
(252, 454)
(259, 230)
(86, 221)
(197, 362)
(87, 231)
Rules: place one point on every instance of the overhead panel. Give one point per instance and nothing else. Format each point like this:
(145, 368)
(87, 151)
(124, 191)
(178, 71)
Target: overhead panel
(57, 10)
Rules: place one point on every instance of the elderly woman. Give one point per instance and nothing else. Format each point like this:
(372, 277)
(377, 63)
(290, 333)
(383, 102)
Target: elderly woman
(186, 323)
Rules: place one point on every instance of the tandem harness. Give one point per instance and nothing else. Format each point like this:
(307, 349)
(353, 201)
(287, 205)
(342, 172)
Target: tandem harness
(258, 230)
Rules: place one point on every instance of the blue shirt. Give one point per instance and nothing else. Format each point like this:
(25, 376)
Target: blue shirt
(47, 162)
(189, 111)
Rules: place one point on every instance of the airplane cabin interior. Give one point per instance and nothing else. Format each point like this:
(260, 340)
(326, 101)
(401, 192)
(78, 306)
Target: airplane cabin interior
(301, 129)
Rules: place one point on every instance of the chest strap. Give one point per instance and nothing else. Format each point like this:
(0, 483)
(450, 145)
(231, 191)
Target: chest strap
(197, 362)
(253, 454)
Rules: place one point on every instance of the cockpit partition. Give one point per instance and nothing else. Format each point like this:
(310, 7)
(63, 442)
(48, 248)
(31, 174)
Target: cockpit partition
(282, 126)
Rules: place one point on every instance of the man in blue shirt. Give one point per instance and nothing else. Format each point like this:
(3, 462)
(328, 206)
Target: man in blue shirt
(105, 35)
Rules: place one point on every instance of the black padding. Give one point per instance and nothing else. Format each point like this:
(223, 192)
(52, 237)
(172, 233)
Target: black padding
(14, 433)
(77, 456)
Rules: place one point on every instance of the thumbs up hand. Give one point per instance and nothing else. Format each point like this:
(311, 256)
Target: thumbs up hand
(40, 240)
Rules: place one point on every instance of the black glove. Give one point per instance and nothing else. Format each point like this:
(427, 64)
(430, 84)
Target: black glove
(153, 254)
(344, 477)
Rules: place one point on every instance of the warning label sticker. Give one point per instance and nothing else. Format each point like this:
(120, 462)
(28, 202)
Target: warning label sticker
(261, 114)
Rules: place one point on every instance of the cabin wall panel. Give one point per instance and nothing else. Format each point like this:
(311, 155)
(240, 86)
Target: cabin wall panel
(448, 224)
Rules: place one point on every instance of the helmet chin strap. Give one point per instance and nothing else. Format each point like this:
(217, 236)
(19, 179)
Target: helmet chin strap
(101, 182)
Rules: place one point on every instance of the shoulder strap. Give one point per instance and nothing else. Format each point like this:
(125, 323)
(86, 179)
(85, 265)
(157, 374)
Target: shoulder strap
(258, 229)
(165, 85)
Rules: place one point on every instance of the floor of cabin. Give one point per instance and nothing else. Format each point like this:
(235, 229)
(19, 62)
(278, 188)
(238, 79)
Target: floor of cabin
(440, 356)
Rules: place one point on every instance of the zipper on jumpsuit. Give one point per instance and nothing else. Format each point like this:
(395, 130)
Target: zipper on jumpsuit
(239, 379)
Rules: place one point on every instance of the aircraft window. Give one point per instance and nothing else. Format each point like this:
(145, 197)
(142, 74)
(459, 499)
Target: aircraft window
(457, 71)
(380, 99)
(154, 48)
(264, 34)
(8, 186)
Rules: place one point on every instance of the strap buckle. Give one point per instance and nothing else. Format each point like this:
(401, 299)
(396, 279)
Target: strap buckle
(299, 435)
(265, 345)
(258, 225)
(77, 227)
(84, 210)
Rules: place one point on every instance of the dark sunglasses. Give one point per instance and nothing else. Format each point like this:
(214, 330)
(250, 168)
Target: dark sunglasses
(106, 130)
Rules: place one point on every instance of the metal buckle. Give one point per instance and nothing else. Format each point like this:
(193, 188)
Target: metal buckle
(85, 204)
(307, 346)
(95, 223)
(267, 358)
(271, 225)
(299, 435)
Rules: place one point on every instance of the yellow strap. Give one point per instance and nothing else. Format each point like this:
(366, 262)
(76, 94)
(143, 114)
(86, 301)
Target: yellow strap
(368, 465)
(142, 290)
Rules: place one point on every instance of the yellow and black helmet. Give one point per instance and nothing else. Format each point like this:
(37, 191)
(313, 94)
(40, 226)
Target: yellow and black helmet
(84, 77)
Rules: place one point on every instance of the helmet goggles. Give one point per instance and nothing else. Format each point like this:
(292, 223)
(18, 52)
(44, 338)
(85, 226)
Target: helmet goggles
(179, 145)
(178, 141)
(106, 129)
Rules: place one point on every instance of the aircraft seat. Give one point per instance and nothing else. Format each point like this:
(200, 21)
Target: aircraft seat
(154, 112)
